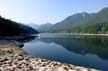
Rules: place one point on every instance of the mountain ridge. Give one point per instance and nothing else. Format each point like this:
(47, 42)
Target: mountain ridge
(76, 22)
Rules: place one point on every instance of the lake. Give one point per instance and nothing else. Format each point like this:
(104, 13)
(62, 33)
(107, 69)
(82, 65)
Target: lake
(87, 51)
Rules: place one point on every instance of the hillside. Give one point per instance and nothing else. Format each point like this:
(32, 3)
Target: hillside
(41, 28)
(11, 28)
(97, 28)
(80, 21)
(71, 22)
(44, 27)
(33, 25)
(100, 17)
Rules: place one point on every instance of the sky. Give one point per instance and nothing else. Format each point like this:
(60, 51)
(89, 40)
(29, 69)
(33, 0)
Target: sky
(47, 11)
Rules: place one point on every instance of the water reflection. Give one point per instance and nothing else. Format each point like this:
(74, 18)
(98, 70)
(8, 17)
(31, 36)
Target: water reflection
(86, 44)
(88, 51)
(27, 39)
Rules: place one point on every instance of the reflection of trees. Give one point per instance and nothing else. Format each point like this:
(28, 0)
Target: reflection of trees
(71, 44)
(96, 41)
(27, 39)
(97, 45)
(84, 45)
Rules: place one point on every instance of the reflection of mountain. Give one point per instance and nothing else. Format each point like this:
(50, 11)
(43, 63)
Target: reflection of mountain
(84, 45)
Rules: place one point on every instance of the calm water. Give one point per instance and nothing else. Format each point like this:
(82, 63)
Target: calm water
(88, 51)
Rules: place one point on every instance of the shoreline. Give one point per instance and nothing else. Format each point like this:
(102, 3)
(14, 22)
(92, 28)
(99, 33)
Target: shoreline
(78, 34)
(21, 37)
(12, 58)
(94, 34)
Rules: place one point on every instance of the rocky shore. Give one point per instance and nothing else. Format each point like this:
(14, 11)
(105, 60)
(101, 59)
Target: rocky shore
(12, 58)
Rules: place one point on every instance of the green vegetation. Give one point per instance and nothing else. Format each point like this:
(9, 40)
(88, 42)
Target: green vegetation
(96, 28)
(11, 28)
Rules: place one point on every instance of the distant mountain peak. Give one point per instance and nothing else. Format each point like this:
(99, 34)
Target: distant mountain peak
(104, 9)
(48, 24)
(84, 14)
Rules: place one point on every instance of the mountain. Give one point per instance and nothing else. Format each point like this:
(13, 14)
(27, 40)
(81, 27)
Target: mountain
(44, 27)
(100, 17)
(71, 21)
(11, 28)
(41, 28)
(33, 25)
(80, 21)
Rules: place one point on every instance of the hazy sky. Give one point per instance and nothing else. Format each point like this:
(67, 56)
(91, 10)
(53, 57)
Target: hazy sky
(44, 11)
